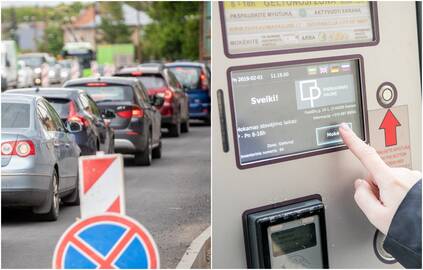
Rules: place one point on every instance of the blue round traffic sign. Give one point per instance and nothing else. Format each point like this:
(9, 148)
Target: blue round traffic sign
(106, 241)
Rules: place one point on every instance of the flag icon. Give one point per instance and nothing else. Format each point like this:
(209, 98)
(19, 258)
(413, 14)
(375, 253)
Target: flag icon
(323, 69)
(334, 69)
(345, 67)
(312, 70)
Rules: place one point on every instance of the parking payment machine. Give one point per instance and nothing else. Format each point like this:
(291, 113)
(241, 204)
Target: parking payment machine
(285, 76)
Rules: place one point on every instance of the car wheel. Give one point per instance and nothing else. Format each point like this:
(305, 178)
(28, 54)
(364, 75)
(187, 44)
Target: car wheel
(175, 130)
(53, 214)
(157, 152)
(185, 127)
(73, 198)
(144, 158)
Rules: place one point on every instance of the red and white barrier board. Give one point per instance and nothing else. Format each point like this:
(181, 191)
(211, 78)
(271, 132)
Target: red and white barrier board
(101, 185)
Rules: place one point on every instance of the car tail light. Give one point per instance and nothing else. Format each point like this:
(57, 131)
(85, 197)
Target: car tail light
(93, 84)
(22, 148)
(7, 148)
(125, 114)
(137, 112)
(203, 81)
(168, 95)
(25, 148)
(74, 116)
(136, 73)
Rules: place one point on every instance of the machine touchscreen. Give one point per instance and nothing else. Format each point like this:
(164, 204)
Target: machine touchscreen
(294, 109)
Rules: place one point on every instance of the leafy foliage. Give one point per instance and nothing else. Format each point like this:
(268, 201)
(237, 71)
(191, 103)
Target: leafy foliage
(174, 33)
(53, 41)
(53, 16)
(112, 25)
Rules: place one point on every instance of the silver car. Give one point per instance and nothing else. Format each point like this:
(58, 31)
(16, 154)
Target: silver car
(39, 162)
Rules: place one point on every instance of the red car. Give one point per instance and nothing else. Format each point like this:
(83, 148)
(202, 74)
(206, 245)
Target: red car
(160, 80)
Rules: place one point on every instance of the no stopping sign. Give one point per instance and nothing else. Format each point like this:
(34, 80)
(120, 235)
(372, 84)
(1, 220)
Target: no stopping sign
(106, 241)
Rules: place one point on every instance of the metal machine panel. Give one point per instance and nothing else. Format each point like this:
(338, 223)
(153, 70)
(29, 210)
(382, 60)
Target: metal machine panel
(393, 61)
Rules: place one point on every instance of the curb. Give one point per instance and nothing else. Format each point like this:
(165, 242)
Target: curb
(198, 253)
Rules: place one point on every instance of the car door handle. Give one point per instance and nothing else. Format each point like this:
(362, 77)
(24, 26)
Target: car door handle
(56, 144)
(67, 145)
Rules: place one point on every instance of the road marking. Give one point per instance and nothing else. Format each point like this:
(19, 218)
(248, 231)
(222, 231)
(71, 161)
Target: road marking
(196, 252)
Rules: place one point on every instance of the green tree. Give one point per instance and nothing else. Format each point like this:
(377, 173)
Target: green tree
(113, 27)
(53, 40)
(174, 33)
(55, 17)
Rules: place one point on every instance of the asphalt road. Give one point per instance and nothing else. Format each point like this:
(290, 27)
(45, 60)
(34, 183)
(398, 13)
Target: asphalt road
(171, 199)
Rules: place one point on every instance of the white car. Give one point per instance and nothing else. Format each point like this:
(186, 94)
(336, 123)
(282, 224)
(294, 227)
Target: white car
(9, 69)
(26, 75)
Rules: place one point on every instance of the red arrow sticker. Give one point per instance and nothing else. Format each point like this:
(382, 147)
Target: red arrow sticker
(390, 124)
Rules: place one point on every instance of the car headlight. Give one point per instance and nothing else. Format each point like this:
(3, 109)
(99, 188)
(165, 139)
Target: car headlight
(51, 73)
(37, 70)
(64, 74)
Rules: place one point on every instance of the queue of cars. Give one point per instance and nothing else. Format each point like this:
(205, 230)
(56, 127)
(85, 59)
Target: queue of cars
(45, 130)
(33, 69)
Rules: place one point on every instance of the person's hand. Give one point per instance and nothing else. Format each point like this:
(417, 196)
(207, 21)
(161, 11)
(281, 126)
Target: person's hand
(381, 193)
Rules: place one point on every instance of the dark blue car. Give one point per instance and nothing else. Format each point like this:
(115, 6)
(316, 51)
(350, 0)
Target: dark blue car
(195, 77)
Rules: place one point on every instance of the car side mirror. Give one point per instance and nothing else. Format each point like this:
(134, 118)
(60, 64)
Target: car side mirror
(108, 114)
(73, 126)
(157, 101)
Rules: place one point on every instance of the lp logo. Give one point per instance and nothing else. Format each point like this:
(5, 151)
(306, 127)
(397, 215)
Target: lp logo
(310, 87)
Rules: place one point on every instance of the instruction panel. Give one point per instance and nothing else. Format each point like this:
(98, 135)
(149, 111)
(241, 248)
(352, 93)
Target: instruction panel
(277, 25)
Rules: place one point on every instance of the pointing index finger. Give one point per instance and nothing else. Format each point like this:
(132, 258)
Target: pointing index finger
(365, 153)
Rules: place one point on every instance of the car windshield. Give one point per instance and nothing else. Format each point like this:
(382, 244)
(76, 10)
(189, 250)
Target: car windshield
(32, 61)
(152, 81)
(109, 92)
(15, 115)
(188, 76)
(61, 105)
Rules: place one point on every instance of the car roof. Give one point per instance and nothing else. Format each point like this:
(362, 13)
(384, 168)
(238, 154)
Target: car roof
(20, 98)
(185, 64)
(111, 80)
(34, 54)
(58, 92)
(152, 65)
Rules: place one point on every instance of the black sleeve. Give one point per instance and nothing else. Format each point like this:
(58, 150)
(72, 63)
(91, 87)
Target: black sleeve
(404, 239)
